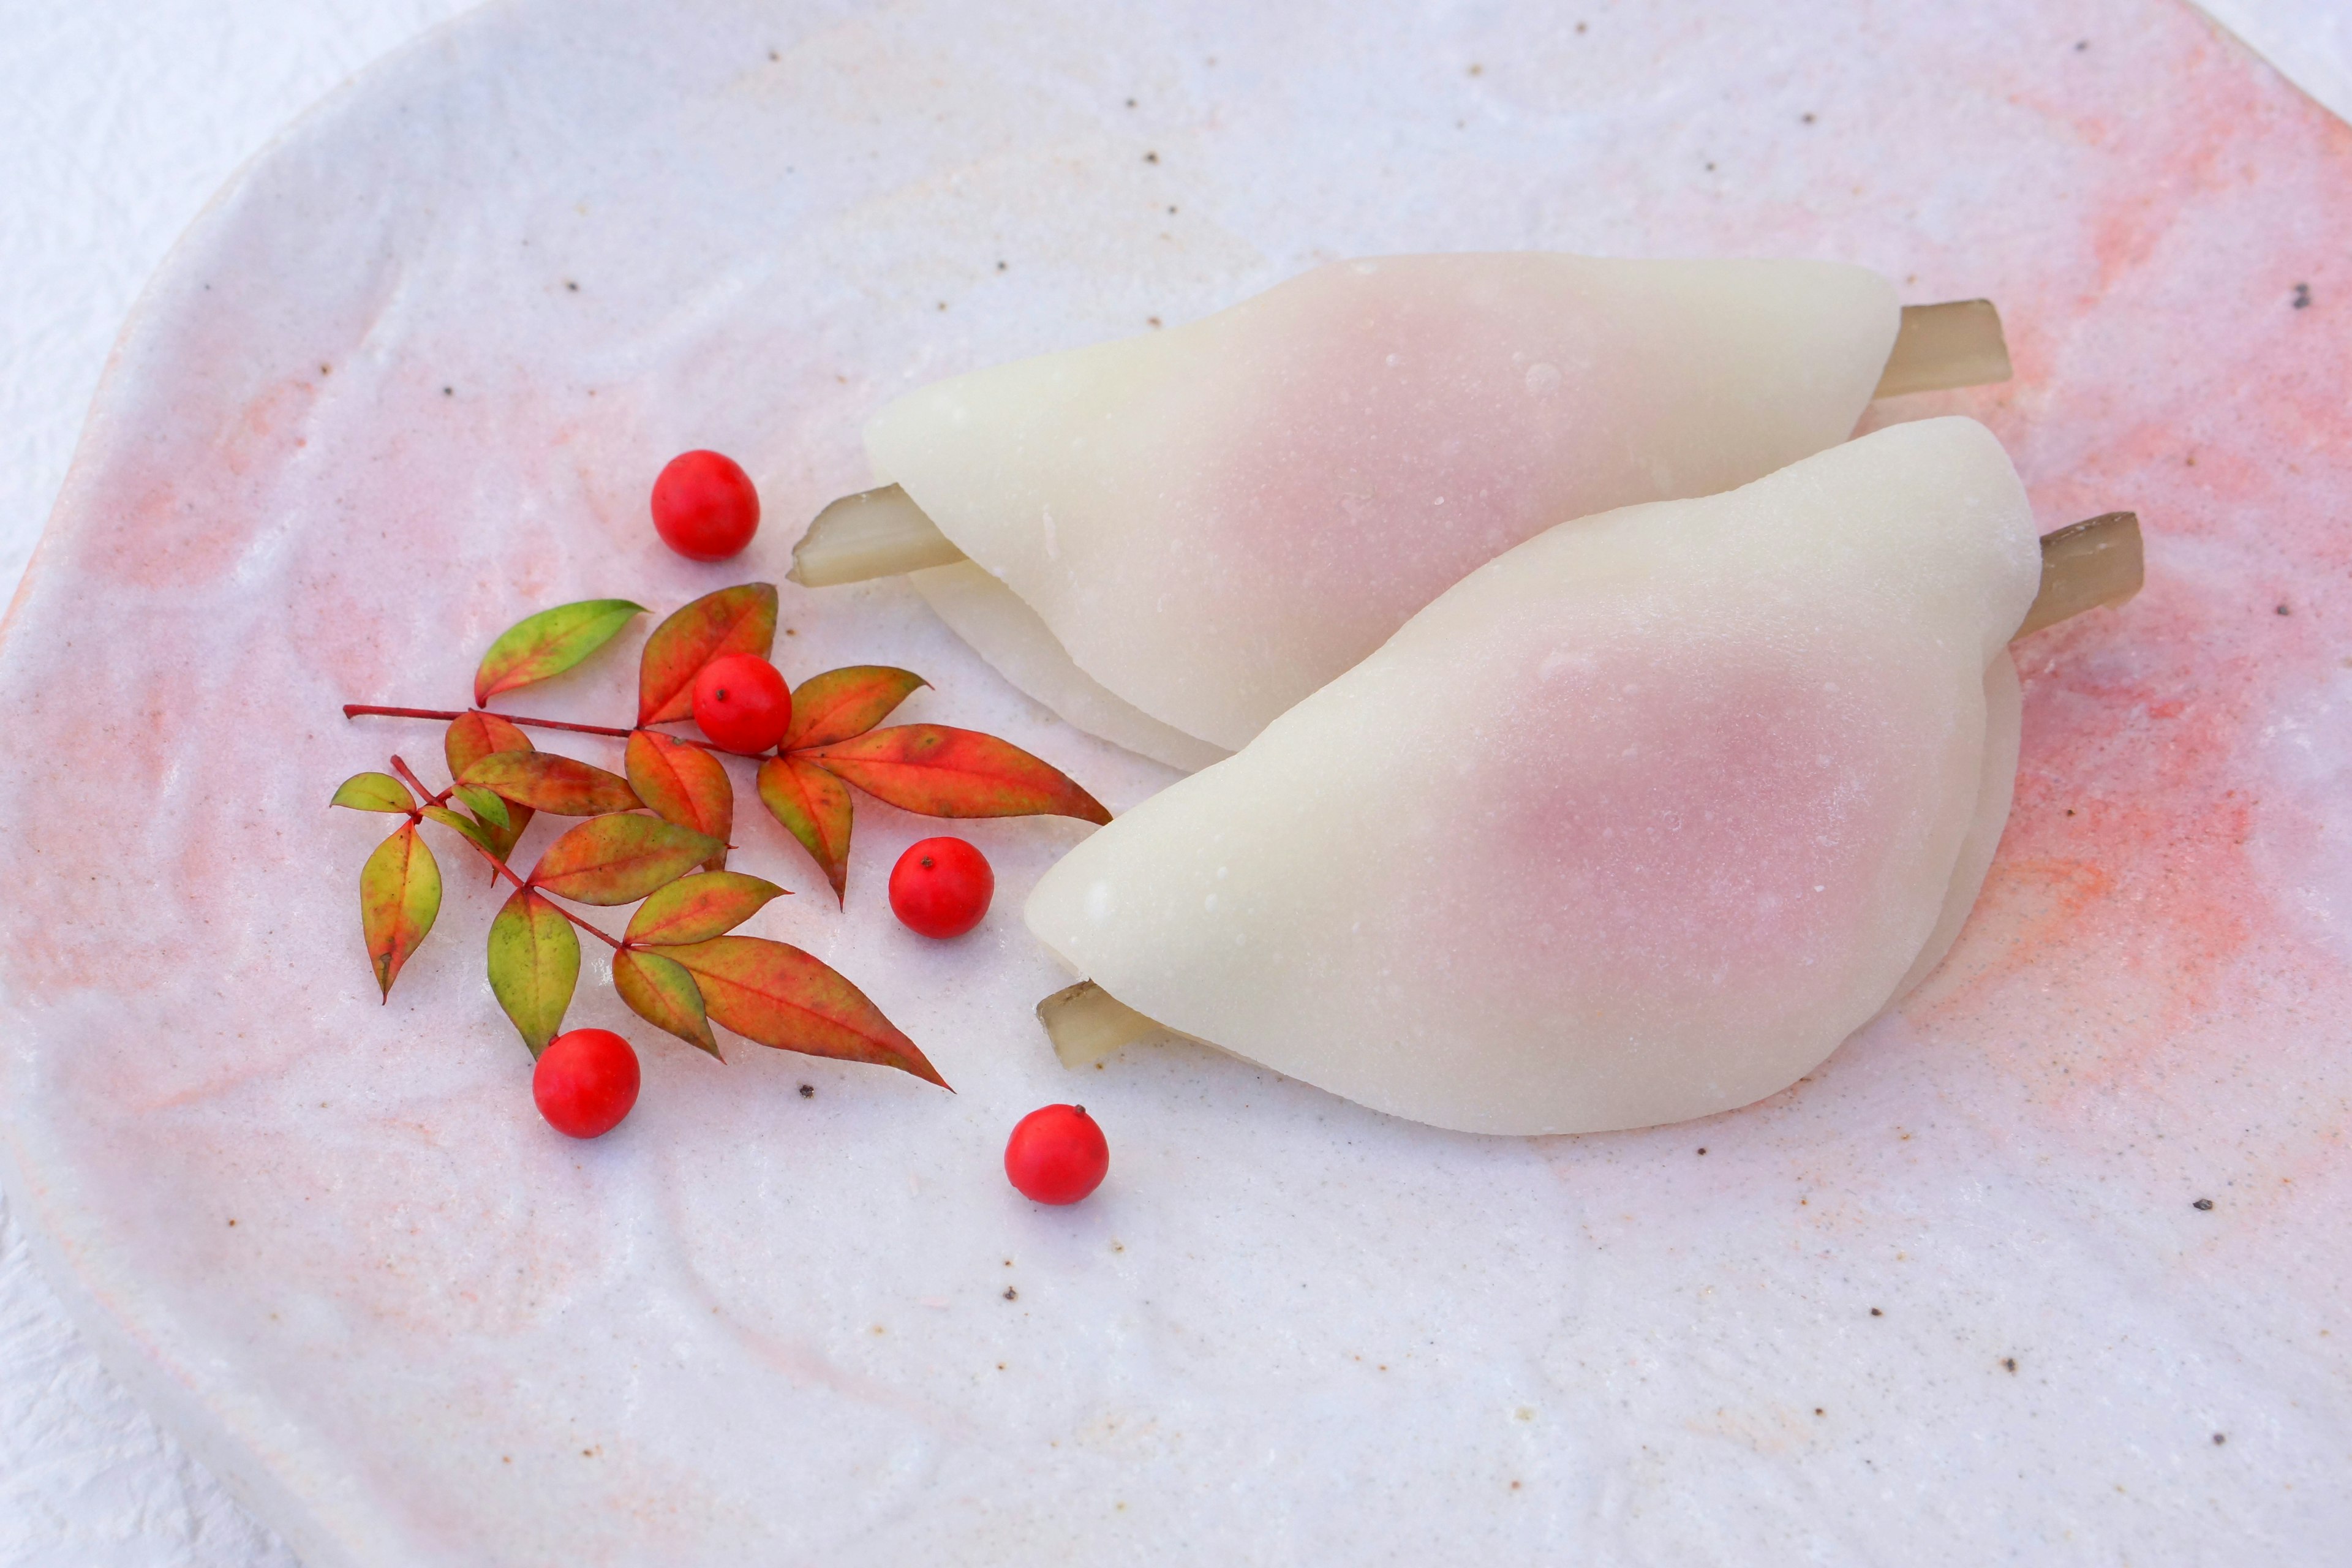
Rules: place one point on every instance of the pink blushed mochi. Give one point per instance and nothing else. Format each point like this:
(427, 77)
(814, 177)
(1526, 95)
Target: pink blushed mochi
(437, 1334)
(1634, 824)
(1215, 521)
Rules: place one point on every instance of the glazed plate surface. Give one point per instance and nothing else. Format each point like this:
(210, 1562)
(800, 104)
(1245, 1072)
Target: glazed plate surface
(1948, 1300)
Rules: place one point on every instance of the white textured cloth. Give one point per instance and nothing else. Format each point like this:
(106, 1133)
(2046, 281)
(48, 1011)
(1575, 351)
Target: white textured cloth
(124, 118)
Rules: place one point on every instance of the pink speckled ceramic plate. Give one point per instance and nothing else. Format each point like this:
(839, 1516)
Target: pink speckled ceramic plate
(1949, 1300)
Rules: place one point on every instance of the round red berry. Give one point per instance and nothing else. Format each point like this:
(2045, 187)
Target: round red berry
(743, 703)
(585, 1083)
(1056, 1154)
(705, 506)
(941, 887)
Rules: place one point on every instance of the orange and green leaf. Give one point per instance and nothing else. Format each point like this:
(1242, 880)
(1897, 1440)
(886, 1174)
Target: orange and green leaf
(400, 892)
(944, 771)
(619, 859)
(815, 808)
(549, 642)
(473, 736)
(470, 738)
(373, 792)
(545, 781)
(663, 994)
(684, 784)
(844, 703)
(534, 965)
(696, 908)
(780, 996)
(742, 619)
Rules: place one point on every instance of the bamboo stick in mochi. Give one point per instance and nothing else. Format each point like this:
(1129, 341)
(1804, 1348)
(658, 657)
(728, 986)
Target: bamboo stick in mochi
(1634, 824)
(1173, 538)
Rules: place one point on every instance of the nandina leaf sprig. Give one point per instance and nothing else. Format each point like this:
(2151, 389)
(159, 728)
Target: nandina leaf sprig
(678, 965)
(834, 743)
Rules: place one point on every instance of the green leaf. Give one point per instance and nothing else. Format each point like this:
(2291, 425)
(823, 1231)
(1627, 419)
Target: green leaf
(663, 994)
(373, 792)
(534, 965)
(844, 703)
(470, 738)
(780, 996)
(400, 892)
(549, 642)
(620, 859)
(684, 784)
(816, 809)
(940, 770)
(696, 908)
(484, 805)
(464, 824)
(740, 619)
(545, 781)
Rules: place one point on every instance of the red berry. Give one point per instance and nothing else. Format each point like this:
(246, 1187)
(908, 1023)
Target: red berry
(941, 887)
(1056, 1154)
(705, 506)
(585, 1083)
(743, 703)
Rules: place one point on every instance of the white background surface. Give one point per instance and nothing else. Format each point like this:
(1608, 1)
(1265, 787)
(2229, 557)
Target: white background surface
(124, 117)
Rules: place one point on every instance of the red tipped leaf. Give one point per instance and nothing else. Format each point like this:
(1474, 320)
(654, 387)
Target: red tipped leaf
(815, 808)
(684, 784)
(470, 738)
(534, 965)
(944, 771)
(844, 703)
(780, 996)
(545, 781)
(549, 642)
(473, 736)
(619, 859)
(696, 908)
(740, 619)
(400, 893)
(663, 994)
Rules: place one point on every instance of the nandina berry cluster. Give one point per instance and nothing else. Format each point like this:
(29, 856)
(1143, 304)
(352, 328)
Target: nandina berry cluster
(656, 834)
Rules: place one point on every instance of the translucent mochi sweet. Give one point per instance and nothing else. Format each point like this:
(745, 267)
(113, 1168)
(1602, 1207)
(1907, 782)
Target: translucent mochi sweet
(1633, 824)
(1173, 538)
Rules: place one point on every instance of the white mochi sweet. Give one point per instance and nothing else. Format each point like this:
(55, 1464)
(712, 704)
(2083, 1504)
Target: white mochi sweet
(1211, 522)
(1634, 824)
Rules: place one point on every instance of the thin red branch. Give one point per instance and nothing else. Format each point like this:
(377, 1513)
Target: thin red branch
(359, 709)
(499, 865)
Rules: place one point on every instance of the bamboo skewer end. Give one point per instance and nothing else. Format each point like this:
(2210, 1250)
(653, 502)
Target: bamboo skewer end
(2099, 561)
(1939, 347)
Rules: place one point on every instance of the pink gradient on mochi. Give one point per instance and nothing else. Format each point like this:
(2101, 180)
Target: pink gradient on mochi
(411, 377)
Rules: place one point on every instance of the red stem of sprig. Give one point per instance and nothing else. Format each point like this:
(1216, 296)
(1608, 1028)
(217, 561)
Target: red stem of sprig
(497, 864)
(357, 710)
